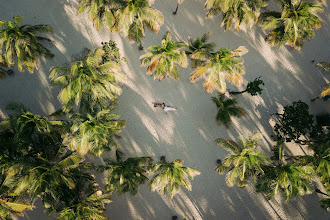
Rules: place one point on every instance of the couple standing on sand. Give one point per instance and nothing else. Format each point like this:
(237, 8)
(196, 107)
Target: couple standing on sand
(163, 106)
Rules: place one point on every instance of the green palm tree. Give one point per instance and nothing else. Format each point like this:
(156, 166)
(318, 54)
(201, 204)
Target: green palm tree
(320, 160)
(129, 17)
(88, 207)
(286, 179)
(243, 162)
(45, 177)
(162, 60)
(217, 67)
(293, 25)
(125, 176)
(24, 132)
(93, 132)
(235, 12)
(170, 176)
(88, 84)
(100, 12)
(199, 44)
(22, 43)
(84, 201)
(226, 109)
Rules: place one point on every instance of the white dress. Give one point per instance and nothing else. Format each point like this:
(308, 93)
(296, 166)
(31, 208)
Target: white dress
(167, 108)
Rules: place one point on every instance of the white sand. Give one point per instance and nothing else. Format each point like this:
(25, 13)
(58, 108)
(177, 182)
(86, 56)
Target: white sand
(189, 132)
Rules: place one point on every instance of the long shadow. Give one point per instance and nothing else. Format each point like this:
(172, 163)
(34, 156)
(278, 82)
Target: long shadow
(189, 132)
(277, 66)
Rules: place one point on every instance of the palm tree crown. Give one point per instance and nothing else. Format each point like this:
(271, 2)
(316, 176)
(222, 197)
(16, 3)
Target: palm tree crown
(170, 176)
(244, 160)
(23, 43)
(89, 83)
(217, 67)
(286, 179)
(125, 176)
(199, 44)
(236, 12)
(93, 132)
(295, 24)
(163, 60)
(227, 108)
(129, 17)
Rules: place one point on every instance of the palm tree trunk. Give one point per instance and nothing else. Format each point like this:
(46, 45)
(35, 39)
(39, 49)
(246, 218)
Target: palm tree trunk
(312, 100)
(176, 10)
(235, 93)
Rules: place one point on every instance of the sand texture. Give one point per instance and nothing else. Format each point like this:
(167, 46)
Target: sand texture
(189, 132)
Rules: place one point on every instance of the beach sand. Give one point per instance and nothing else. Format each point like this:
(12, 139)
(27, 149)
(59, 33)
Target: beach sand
(189, 132)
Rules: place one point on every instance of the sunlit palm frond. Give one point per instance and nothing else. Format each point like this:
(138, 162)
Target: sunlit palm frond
(326, 90)
(170, 176)
(243, 162)
(22, 44)
(163, 60)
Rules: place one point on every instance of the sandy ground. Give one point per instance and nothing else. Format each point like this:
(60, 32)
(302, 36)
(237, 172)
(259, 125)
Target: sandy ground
(188, 133)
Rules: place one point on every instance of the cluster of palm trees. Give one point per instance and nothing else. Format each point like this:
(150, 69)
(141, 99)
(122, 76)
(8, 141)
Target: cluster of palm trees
(127, 176)
(292, 26)
(129, 17)
(43, 158)
(282, 174)
(215, 67)
(286, 176)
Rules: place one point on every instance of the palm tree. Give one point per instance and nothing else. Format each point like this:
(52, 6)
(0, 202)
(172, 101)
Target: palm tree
(84, 201)
(243, 162)
(162, 60)
(286, 179)
(85, 205)
(199, 44)
(227, 109)
(177, 6)
(22, 43)
(89, 83)
(217, 67)
(125, 176)
(25, 132)
(93, 132)
(47, 177)
(170, 176)
(129, 17)
(320, 160)
(293, 25)
(237, 12)
(100, 11)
